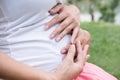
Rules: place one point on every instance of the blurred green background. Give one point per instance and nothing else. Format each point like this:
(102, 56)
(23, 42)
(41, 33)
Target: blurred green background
(105, 46)
(105, 32)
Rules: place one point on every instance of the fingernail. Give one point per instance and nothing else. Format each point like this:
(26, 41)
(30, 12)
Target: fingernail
(46, 27)
(88, 46)
(73, 46)
(58, 39)
(64, 51)
(52, 10)
(78, 41)
(52, 36)
(88, 55)
(72, 41)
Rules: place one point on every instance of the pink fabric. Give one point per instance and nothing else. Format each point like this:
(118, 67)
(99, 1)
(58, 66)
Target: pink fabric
(92, 72)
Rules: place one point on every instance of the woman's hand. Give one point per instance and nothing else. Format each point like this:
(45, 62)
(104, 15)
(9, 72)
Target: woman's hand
(68, 17)
(83, 36)
(67, 70)
(70, 68)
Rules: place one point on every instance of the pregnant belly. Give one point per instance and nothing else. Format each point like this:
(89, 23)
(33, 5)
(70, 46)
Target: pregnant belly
(32, 46)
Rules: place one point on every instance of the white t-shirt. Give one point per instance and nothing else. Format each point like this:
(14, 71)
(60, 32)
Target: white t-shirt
(23, 36)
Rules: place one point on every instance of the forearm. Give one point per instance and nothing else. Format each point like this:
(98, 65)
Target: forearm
(13, 70)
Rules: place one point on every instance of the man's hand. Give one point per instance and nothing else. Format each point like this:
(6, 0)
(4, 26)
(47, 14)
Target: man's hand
(68, 17)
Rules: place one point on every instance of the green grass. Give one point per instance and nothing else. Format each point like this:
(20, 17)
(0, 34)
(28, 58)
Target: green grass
(105, 46)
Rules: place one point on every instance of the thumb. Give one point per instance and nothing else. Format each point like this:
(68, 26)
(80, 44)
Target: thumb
(71, 53)
(56, 9)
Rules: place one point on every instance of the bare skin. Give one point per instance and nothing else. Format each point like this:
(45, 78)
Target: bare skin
(83, 36)
(65, 15)
(9, 67)
(68, 17)
(14, 70)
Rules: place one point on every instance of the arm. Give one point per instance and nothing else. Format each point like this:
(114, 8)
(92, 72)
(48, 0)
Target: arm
(13, 70)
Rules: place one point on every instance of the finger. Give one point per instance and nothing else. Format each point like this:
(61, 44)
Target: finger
(85, 50)
(80, 37)
(87, 57)
(71, 53)
(61, 27)
(64, 57)
(79, 48)
(84, 43)
(56, 9)
(66, 31)
(65, 49)
(55, 20)
(86, 38)
(82, 57)
(74, 35)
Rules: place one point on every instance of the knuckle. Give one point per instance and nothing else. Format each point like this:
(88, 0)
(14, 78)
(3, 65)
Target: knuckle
(56, 31)
(63, 24)
(67, 21)
(74, 21)
(68, 29)
(57, 18)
